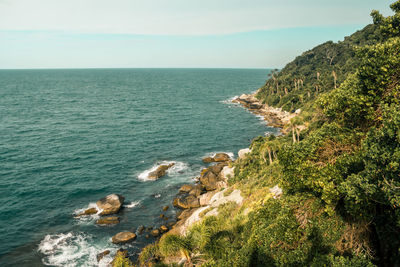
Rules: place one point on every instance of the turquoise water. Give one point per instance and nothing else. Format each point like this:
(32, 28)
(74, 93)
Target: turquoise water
(70, 137)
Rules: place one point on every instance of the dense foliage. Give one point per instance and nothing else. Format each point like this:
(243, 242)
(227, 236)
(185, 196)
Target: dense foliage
(340, 176)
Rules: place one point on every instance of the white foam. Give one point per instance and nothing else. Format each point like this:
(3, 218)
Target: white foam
(132, 204)
(177, 168)
(157, 195)
(70, 250)
(229, 101)
(87, 218)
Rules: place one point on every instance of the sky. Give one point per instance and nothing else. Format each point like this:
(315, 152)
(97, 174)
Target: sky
(172, 33)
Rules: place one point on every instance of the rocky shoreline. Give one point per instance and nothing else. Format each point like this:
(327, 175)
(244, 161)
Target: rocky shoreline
(275, 117)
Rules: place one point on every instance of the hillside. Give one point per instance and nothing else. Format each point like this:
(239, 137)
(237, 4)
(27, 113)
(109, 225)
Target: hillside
(339, 171)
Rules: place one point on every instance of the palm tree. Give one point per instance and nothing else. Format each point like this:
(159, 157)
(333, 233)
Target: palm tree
(172, 244)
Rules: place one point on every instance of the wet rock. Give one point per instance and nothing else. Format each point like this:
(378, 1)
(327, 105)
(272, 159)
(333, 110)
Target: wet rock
(186, 188)
(110, 204)
(147, 236)
(221, 157)
(160, 171)
(196, 191)
(155, 232)
(163, 228)
(208, 160)
(141, 229)
(107, 220)
(165, 208)
(89, 211)
(166, 218)
(123, 237)
(162, 216)
(102, 254)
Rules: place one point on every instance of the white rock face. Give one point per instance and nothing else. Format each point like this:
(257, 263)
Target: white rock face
(227, 172)
(276, 191)
(243, 152)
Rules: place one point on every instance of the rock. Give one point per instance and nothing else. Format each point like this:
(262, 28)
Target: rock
(155, 232)
(221, 157)
(165, 208)
(209, 180)
(107, 220)
(184, 214)
(175, 202)
(147, 236)
(163, 228)
(148, 229)
(276, 191)
(162, 216)
(123, 237)
(205, 199)
(208, 160)
(102, 254)
(196, 191)
(227, 172)
(188, 202)
(186, 188)
(160, 171)
(216, 169)
(89, 211)
(243, 152)
(166, 218)
(141, 229)
(110, 204)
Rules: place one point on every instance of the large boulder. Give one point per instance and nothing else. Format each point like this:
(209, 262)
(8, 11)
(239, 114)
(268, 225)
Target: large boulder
(188, 202)
(160, 171)
(209, 180)
(107, 221)
(123, 237)
(221, 157)
(208, 160)
(110, 204)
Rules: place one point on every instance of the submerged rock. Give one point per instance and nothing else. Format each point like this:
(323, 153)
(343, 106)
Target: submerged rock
(123, 237)
(108, 220)
(160, 171)
(141, 229)
(165, 208)
(155, 232)
(110, 204)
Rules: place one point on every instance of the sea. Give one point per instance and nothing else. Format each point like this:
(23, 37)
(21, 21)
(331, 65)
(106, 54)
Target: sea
(69, 137)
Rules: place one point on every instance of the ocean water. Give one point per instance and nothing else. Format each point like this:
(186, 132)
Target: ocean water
(71, 137)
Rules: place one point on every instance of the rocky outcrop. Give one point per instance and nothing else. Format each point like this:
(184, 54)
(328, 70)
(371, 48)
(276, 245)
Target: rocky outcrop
(186, 188)
(108, 220)
(110, 204)
(123, 237)
(209, 180)
(275, 117)
(160, 171)
(187, 202)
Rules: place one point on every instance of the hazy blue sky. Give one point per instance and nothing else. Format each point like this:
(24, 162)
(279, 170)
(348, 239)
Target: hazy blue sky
(172, 33)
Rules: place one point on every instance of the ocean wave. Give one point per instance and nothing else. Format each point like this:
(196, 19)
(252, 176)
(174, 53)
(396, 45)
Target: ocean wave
(178, 168)
(229, 101)
(132, 204)
(71, 250)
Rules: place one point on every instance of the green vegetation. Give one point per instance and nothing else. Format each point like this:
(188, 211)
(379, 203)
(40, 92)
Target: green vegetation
(340, 174)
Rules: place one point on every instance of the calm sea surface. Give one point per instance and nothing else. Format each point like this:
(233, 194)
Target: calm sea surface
(70, 137)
